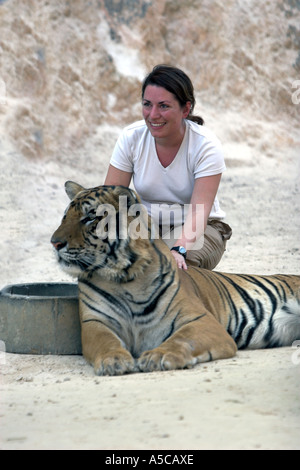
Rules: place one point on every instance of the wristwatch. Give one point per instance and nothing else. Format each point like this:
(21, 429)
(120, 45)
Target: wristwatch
(180, 249)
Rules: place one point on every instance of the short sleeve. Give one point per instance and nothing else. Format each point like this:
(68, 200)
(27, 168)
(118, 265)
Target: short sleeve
(209, 157)
(122, 154)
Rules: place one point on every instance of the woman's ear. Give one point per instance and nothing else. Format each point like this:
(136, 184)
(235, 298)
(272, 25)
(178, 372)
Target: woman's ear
(186, 109)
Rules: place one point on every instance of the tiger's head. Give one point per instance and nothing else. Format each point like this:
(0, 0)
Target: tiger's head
(106, 230)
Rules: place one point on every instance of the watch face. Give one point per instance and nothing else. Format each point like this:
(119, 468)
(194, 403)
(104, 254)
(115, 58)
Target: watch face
(182, 250)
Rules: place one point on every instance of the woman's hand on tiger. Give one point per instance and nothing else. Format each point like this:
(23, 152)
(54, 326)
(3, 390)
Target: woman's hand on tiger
(181, 264)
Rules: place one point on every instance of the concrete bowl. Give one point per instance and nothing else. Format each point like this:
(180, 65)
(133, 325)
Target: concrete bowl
(40, 318)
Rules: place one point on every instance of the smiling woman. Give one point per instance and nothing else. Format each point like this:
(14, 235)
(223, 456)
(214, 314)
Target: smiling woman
(175, 161)
(164, 118)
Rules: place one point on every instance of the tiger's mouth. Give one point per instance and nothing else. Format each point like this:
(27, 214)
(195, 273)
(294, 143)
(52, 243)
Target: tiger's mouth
(73, 262)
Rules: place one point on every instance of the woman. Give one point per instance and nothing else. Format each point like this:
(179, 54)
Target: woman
(176, 165)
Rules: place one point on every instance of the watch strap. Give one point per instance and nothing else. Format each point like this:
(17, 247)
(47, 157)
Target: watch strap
(180, 249)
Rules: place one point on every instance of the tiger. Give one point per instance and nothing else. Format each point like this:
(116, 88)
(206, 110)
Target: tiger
(140, 313)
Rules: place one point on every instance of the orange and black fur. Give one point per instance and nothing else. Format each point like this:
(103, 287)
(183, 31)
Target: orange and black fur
(139, 312)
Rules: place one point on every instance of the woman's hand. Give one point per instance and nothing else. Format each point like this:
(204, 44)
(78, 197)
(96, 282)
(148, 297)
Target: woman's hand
(181, 264)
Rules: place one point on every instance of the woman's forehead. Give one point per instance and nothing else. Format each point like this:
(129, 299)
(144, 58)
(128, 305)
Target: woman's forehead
(158, 94)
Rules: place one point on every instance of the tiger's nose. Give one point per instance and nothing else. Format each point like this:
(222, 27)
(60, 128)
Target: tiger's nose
(58, 245)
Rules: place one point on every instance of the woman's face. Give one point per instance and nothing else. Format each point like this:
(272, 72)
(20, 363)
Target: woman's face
(163, 113)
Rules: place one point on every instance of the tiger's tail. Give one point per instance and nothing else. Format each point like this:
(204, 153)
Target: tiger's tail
(280, 329)
(286, 324)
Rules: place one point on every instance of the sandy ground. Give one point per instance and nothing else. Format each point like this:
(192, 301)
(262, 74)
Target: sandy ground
(248, 402)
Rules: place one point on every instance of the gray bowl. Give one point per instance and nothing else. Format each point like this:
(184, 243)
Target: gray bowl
(40, 318)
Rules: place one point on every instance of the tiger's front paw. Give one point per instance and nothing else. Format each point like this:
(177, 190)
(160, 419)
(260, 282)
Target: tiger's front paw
(158, 359)
(117, 363)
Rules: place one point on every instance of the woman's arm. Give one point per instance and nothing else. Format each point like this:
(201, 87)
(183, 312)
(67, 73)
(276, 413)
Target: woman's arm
(117, 177)
(204, 193)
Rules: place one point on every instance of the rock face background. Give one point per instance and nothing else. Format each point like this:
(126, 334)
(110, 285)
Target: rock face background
(70, 66)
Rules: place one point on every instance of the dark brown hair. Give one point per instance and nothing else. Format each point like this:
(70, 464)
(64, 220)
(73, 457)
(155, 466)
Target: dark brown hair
(175, 81)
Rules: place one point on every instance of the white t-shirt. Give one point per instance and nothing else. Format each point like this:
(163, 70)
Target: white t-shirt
(164, 189)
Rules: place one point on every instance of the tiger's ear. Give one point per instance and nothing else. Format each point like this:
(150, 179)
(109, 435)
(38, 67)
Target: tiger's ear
(72, 189)
(132, 197)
